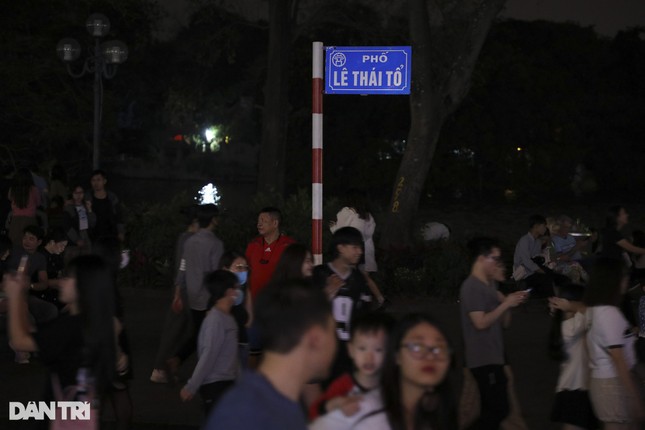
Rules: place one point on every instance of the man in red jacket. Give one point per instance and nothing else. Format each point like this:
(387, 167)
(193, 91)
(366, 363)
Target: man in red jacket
(262, 256)
(263, 252)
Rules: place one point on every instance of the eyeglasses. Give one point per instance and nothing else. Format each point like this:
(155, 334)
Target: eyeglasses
(419, 351)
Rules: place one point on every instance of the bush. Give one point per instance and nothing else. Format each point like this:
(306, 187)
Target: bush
(446, 266)
(153, 230)
(435, 269)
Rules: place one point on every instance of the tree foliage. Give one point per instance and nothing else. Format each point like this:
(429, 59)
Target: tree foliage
(559, 91)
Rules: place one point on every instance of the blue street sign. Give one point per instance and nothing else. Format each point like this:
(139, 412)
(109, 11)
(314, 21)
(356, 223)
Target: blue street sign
(382, 70)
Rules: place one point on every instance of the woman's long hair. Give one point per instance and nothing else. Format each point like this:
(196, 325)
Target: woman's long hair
(611, 220)
(436, 410)
(228, 258)
(290, 264)
(21, 187)
(357, 201)
(605, 283)
(571, 292)
(95, 295)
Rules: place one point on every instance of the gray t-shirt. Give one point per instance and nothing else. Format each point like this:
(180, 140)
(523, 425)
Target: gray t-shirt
(36, 263)
(483, 347)
(216, 349)
(202, 252)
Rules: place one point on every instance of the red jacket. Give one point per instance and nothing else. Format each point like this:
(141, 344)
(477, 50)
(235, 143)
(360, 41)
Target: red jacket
(262, 259)
(339, 387)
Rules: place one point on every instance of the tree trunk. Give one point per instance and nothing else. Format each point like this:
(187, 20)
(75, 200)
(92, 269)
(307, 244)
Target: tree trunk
(274, 119)
(446, 41)
(413, 170)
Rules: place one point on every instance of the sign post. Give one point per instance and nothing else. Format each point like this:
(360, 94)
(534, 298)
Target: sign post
(358, 70)
(383, 70)
(316, 152)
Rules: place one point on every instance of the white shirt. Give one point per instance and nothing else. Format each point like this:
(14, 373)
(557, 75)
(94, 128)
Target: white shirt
(608, 327)
(574, 372)
(371, 416)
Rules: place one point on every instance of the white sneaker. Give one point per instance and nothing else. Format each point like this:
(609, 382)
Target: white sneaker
(22, 357)
(159, 376)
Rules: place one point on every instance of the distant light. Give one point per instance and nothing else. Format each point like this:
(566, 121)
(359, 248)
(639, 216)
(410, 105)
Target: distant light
(210, 134)
(68, 49)
(98, 25)
(178, 138)
(519, 149)
(208, 195)
(114, 52)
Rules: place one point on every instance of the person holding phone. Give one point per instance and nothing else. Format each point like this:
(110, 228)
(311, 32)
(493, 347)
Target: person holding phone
(484, 314)
(78, 347)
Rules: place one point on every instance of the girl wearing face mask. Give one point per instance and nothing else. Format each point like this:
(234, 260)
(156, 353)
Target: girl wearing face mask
(217, 365)
(242, 309)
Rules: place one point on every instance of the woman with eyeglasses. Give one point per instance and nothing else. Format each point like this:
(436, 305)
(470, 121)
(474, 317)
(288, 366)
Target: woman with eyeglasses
(414, 393)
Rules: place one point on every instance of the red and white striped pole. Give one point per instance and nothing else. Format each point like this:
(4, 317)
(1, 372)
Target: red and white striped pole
(317, 151)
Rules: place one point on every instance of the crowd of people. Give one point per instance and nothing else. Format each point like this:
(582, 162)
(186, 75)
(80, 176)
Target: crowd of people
(59, 256)
(281, 344)
(596, 322)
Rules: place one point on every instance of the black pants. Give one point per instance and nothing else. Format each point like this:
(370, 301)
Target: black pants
(190, 345)
(493, 393)
(211, 393)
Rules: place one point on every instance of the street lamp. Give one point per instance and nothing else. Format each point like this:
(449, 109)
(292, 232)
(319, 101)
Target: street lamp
(103, 62)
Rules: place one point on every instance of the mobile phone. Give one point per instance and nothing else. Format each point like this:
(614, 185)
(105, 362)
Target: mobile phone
(23, 264)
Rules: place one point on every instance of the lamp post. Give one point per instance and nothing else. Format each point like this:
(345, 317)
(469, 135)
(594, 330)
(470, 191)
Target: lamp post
(103, 62)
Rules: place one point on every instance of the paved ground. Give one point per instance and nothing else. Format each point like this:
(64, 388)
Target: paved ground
(158, 406)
